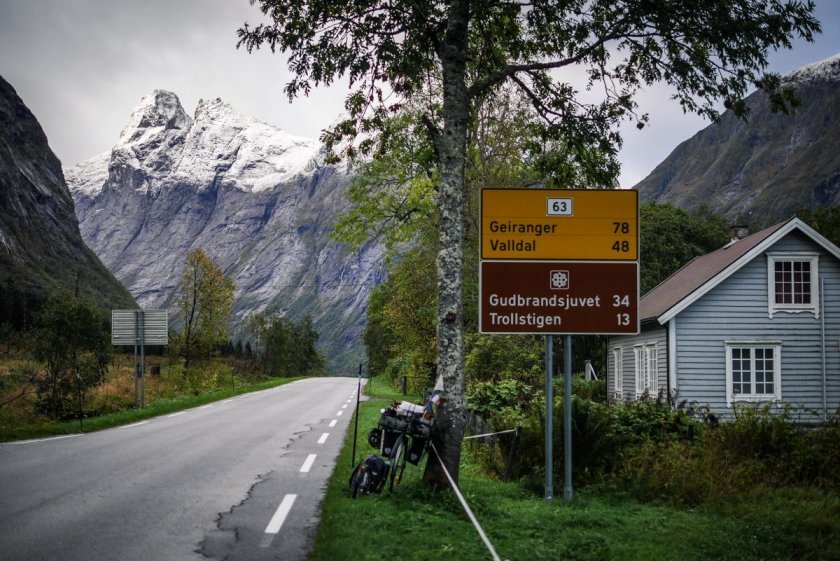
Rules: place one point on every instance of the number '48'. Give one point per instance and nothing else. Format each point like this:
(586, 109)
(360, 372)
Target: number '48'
(622, 246)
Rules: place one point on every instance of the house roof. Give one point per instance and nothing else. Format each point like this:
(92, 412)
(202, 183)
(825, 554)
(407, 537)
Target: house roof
(700, 275)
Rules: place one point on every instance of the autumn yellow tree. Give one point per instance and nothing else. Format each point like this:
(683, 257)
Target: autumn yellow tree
(205, 301)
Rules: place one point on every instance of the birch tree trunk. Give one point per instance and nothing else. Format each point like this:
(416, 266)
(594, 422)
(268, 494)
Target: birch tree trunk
(451, 145)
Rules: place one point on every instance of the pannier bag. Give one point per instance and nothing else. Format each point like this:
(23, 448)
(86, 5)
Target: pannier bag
(393, 422)
(415, 452)
(389, 438)
(375, 437)
(421, 428)
(406, 417)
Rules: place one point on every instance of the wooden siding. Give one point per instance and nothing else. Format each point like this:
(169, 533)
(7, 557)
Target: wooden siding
(654, 335)
(737, 309)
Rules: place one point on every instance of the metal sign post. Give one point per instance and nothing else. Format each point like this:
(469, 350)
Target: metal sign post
(136, 364)
(567, 419)
(549, 417)
(142, 360)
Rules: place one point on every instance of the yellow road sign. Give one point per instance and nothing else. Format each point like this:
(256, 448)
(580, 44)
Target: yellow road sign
(566, 224)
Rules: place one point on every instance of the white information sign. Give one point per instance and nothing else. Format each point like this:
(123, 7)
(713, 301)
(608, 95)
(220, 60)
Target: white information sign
(148, 327)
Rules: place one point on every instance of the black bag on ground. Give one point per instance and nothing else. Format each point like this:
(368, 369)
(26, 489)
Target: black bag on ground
(368, 476)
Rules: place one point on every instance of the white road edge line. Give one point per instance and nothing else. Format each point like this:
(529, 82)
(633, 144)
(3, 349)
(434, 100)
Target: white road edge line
(333, 422)
(206, 406)
(36, 440)
(134, 425)
(280, 514)
(323, 438)
(307, 465)
(175, 414)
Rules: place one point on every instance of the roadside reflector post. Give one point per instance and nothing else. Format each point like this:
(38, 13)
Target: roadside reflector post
(356, 426)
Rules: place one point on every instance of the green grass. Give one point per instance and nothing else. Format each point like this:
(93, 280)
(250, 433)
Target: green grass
(159, 407)
(415, 524)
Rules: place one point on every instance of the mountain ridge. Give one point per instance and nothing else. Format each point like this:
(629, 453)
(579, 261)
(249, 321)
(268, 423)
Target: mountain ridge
(41, 248)
(763, 169)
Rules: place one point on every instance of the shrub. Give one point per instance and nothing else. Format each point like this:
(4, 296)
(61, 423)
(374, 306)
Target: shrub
(72, 339)
(759, 448)
(488, 398)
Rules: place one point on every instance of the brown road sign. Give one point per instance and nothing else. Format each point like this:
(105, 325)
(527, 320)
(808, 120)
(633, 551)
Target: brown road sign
(566, 224)
(559, 297)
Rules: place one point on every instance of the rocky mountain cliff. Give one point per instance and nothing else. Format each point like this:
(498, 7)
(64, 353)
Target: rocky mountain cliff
(259, 202)
(41, 249)
(763, 169)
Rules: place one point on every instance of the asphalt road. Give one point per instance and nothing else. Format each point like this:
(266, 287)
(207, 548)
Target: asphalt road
(237, 479)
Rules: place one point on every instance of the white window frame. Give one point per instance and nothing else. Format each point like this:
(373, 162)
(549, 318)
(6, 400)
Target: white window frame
(646, 368)
(776, 395)
(618, 372)
(814, 305)
(652, 374)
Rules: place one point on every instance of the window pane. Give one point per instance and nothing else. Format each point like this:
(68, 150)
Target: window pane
(764, 371)
(783, 282)
(792, 282)
(741, 371)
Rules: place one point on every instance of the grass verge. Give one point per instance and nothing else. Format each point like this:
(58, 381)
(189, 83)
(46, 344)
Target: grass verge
(159, 407)
(415, 524)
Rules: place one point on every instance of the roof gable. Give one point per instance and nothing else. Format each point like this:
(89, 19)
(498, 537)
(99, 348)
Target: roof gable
(702, 274)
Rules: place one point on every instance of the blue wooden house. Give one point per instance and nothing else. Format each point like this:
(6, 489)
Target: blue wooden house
(756, 321)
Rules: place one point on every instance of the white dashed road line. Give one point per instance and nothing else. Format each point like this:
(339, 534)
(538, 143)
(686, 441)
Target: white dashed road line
(307, 465)
(277, 520)
(280, 514)
(288, 501)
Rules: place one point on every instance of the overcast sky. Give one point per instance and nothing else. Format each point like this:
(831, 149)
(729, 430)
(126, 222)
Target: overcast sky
(81, 66)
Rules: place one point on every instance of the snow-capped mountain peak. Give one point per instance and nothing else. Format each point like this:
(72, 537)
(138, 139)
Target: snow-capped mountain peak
(826, 69)
(157, 112)
(256, 156)
(218, 145)
(259, 201)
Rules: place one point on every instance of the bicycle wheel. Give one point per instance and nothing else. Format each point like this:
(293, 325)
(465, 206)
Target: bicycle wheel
(359, 481)
(397, 463)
